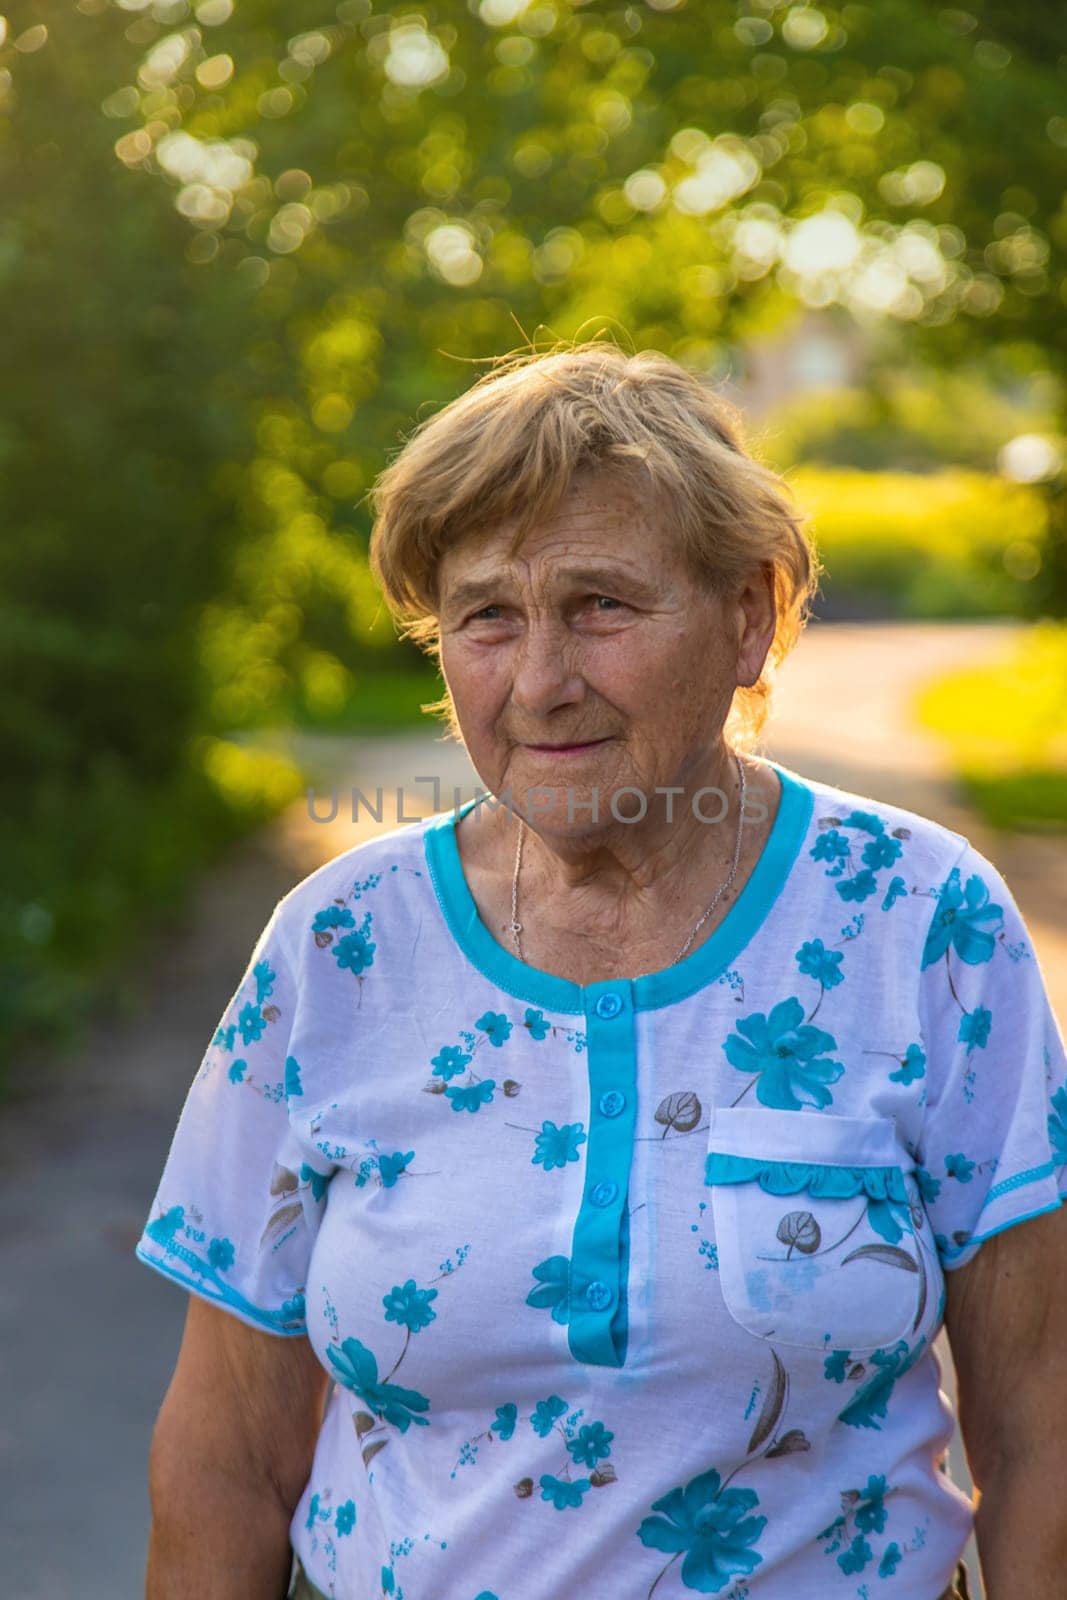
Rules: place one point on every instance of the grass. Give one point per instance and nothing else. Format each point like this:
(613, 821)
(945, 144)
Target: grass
(383, 698)
(925, 545)
(1005, 725)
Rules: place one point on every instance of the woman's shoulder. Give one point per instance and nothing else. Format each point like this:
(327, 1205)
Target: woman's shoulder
(877, 836)
(386, 875)
(867, 857)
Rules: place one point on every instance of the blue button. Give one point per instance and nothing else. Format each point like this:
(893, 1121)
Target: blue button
(612, 1103)
(599, 1295)
(609, 1005)
(602, 1194)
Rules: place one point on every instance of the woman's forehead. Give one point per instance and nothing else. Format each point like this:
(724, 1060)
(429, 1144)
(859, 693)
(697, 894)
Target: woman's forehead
(607, 532)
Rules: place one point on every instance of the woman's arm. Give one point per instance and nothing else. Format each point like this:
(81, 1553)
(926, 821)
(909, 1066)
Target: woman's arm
(231, 1453)
(1006, 1316)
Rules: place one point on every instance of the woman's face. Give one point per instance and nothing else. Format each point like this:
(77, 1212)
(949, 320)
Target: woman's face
(594, 659)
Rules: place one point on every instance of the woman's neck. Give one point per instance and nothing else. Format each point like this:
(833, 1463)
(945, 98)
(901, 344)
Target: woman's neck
(630, 898)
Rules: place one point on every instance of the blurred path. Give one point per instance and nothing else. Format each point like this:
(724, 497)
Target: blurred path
(88, 1337)
(842, 713)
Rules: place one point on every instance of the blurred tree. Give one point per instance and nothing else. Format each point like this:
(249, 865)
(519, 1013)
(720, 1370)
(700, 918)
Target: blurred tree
(358, 206)
(407, 187)
(116, 431)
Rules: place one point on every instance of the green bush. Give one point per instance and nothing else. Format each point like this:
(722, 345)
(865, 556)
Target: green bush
(937, 545)
(105, 861)
(1005, 727)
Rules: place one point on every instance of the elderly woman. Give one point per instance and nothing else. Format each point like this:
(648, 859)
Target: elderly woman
(617, 1144)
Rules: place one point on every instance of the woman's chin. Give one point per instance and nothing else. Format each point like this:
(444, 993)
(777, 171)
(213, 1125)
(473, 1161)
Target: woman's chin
(587, 804)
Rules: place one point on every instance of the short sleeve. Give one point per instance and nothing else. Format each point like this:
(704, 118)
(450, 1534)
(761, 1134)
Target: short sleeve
(241, 1194)
(994, 1145)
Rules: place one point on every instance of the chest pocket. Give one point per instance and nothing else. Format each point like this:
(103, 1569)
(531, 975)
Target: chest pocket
(815, 1226)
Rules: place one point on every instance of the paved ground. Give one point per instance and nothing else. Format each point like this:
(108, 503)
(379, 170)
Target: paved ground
(87, 1336)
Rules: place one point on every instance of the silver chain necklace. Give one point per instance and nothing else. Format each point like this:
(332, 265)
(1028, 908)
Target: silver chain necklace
(516, 925)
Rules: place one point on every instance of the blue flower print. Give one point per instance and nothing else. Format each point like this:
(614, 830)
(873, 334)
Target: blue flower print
(554, 1278)
(860, 887)
(345, 1519)
(390, 1167)
(563, 1494)
(913, 1065)
(506, 1418)
(449, 1061)
(388, 1581)
(856, 1556)
(1057, 1126)
(319, 1181)
(535, 1022)
(472, 1096)
(881, 852)
(225, 1036)
(974, 1028)
(251, 1024)
(356, 1369)
(264, 981)
(957, 1166)
(409, 1306)
(220, 1254)
(873, 1398)
(591, 1444)
(958, 922)
(495, 1025)
(313, 1511)
(294, 1309)
(554, 1147)
(332, 917)
(929, 1186)
(870, 1511)
(354, 953)
(237, 1071)
(815, 961)
(835, 1366)
(890, 1561)
(897, 890)
(866, 821)
(163, 1229)
(546, 1414)
(787, 1055)
(293, 1086)
(830, 846)
(712, 1526)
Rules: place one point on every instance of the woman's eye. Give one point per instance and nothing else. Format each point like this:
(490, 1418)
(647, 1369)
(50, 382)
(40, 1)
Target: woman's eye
(604, 602)
(486, 614)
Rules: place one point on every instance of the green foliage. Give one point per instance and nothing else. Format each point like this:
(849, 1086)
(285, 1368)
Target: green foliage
(243, 247)
(946, 544)
(377, 700)
(1005, 726)
(100, 866)
(916, 420)
(117, 440)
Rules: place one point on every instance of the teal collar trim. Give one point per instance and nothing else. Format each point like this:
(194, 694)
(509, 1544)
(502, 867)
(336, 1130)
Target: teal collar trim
(655, 989)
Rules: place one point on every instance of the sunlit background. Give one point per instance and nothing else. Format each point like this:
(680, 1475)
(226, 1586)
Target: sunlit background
(245, 245)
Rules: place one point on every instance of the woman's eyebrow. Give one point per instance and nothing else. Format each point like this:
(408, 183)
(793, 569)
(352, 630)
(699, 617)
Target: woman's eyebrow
(474, 592)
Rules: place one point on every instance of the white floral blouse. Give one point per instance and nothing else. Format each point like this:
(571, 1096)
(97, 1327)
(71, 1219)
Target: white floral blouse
(626, 1290)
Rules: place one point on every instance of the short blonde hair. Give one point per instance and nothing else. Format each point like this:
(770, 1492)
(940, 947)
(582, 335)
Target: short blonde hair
(510, 445)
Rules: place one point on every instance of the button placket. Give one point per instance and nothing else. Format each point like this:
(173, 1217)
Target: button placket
(597, 1323)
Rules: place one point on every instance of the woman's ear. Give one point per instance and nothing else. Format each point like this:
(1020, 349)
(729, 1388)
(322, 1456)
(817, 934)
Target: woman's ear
(756, 620)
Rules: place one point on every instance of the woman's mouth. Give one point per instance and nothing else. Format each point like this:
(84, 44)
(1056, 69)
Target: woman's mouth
(566, 749)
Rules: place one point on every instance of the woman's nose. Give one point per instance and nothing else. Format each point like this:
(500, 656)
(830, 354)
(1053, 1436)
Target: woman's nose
(547, 672)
